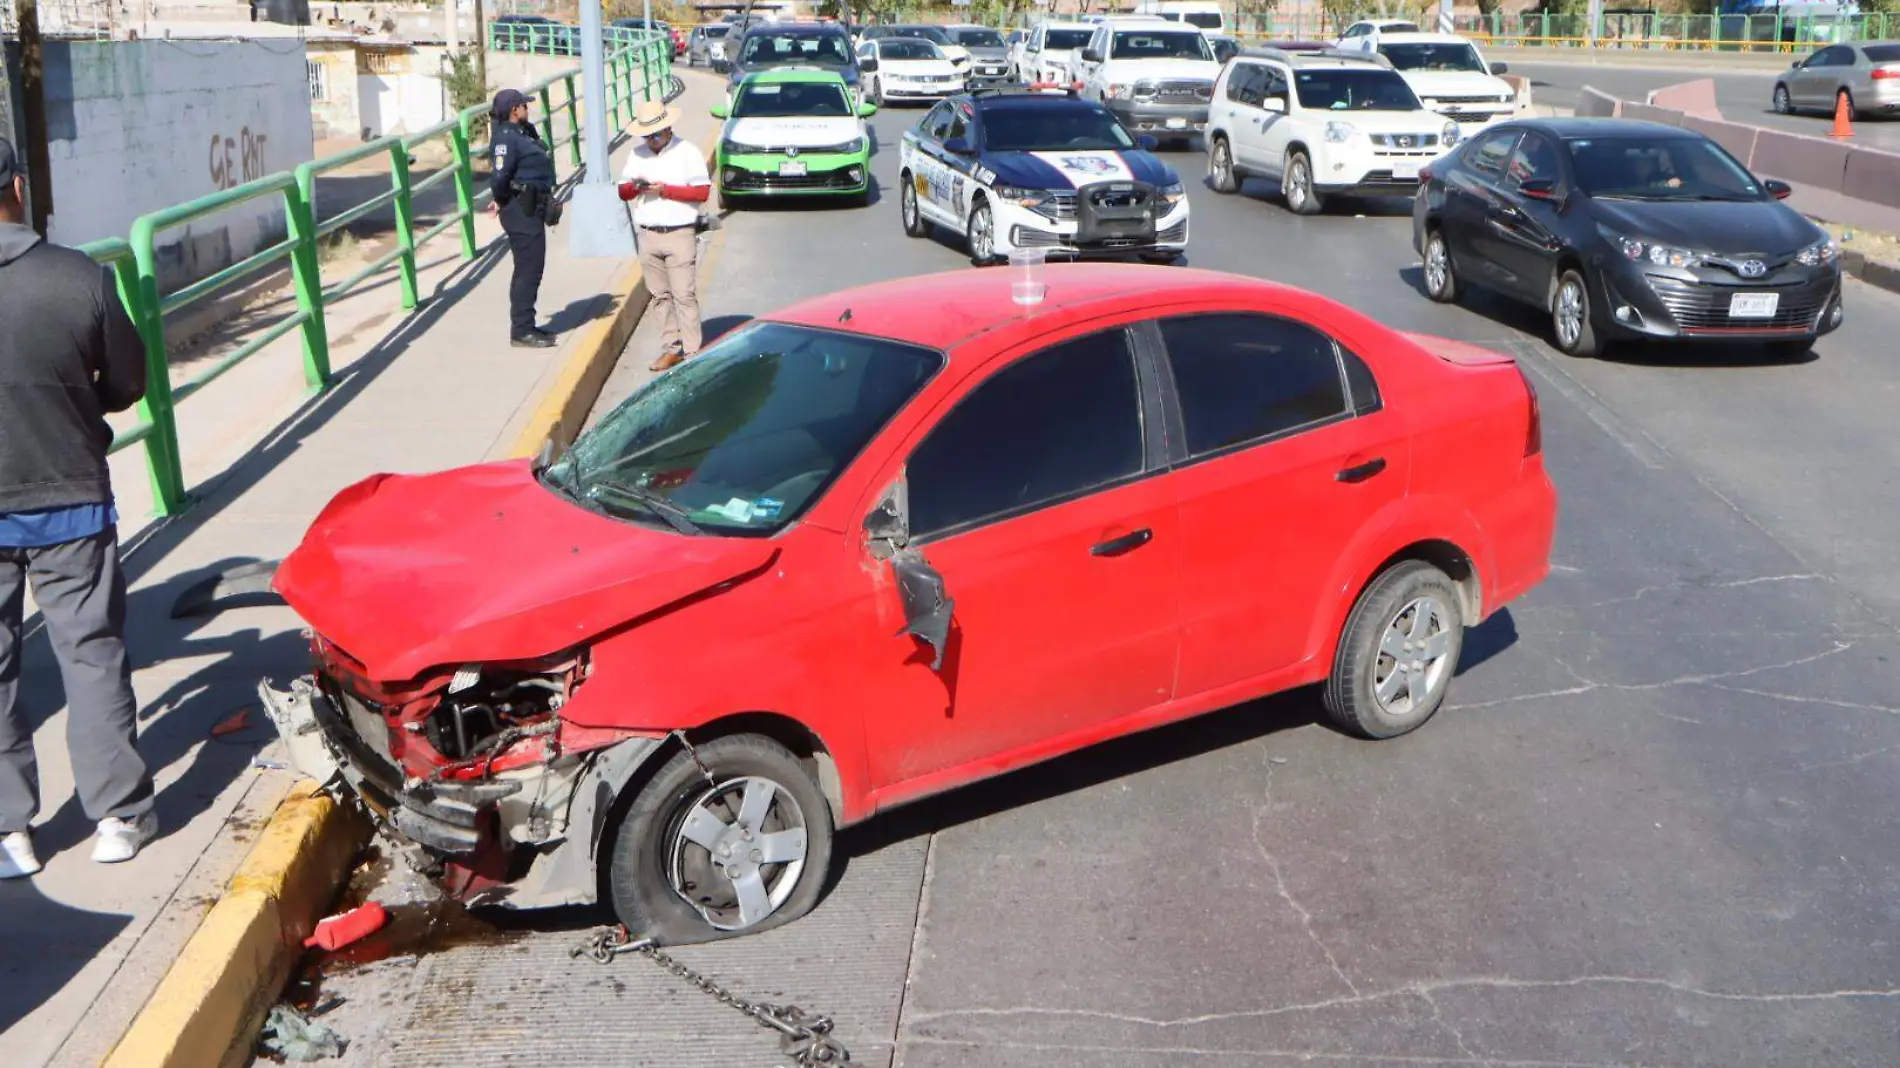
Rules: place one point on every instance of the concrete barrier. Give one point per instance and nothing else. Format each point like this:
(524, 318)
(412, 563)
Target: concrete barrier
(1694, 98)
(1737, 138)
(1521, 86)
(1596, 104)
(1872, 175)
(1649, 113)
(1795, 158)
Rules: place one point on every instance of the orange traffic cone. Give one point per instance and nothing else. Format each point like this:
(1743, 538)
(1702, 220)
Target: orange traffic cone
(1843, 119)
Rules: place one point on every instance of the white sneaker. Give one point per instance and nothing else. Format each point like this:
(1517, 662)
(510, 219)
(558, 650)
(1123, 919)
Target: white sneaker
(119, 840)
(16, 856)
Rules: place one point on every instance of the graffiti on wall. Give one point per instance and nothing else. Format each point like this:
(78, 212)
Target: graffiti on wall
(236, 160)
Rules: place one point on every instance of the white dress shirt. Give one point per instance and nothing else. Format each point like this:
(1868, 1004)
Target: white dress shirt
(679, 163)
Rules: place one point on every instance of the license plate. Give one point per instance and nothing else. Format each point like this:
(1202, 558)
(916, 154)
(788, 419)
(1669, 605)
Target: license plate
(1177, 124)
(792, 169)
(1404, 169)
(1753, 305)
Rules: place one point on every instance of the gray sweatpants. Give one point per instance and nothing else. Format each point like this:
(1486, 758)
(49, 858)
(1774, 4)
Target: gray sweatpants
(81, 594)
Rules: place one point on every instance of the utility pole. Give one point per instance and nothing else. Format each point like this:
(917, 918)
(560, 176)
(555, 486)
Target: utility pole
(452, 27)
(32, 120)
(481, 48)
(601, 227)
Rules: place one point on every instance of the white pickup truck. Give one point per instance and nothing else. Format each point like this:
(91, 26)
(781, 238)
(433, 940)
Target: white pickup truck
(1156, 77)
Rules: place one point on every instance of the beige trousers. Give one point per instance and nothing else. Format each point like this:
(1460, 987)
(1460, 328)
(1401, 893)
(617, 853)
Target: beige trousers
(670, 260)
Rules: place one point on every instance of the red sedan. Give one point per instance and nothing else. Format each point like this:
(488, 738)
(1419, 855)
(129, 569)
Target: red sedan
(858, 553)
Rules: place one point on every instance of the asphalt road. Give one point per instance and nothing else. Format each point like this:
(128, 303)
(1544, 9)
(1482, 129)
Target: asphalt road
(1657, 824)
(1742, 96)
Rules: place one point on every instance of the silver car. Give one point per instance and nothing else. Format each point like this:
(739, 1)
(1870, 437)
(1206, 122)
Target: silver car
(706, 46)
(1866, 73)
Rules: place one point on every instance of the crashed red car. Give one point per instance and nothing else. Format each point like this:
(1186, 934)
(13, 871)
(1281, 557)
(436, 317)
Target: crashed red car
(858, 553)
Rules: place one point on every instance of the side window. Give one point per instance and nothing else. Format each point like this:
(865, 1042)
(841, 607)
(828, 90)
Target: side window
(1035, 41)
(1245, 377)
(1835, 56)
(1535, 157)
(1243, 85)
(1488, 155)
(1361, 387)
(1276, 86)
(1048, 427)
(959, 123)
(936, 122)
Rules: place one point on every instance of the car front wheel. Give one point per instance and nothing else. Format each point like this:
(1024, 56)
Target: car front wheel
(1784, 104)
(1298, 185)
(1570, 316)
(914, 223)
(982, 236)
(1397, 654)
(1441, 281)
(1221, 167)
(732, 838)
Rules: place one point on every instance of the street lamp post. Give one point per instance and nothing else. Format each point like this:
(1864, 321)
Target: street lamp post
(600, 226)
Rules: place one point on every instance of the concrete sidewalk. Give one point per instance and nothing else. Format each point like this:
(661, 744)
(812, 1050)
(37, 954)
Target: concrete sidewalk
(82, 946)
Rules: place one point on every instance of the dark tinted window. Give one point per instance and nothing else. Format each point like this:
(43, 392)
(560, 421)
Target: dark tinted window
(1246, 84)
(1245, 377)
(1882, 53)
(1535, 157)
(936, 125)
(1062, 125)
(1062, 40)
(1360, 383)
(1048, 426)
(1488, 155)
(1354, 90)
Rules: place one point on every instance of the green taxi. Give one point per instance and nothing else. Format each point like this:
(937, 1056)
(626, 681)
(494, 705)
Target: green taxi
(791, 132)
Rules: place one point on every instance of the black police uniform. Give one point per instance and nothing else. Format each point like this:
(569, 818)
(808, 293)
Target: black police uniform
(523, 184)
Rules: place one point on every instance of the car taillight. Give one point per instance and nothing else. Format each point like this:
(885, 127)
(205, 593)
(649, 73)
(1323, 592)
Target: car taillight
(1883, 73)
(1534, 432)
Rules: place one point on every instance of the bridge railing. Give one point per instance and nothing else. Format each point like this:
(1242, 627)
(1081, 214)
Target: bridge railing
(1768, 33)
(638, 67)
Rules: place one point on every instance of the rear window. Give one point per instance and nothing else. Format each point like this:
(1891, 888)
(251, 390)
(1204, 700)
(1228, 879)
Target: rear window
(979, 39)
(1206, 20)
(1067, 40)
(1884, 53)
(908, 48)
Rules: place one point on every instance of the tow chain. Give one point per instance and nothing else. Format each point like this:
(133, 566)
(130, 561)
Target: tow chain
(803, 1036)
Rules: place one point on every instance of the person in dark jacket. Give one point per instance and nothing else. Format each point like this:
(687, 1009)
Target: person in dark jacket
(523, 186)
(68, 355)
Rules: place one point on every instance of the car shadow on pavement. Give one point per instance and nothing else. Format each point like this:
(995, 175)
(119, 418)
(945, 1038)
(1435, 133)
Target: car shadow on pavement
(47, 945)
(1525, 319)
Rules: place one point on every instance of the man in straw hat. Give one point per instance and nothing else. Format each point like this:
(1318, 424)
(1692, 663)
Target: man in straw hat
(666, 179)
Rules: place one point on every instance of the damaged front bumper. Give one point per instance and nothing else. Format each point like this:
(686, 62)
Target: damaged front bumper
(525, 837)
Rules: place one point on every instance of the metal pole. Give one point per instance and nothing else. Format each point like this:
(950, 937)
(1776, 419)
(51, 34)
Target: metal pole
(601, 227)
(481, 50)
(32, 119)
(452, 31)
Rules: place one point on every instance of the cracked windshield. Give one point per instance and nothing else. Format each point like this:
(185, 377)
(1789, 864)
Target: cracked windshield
(742, 437)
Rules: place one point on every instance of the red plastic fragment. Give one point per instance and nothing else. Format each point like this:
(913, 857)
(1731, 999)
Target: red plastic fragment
(338, 931)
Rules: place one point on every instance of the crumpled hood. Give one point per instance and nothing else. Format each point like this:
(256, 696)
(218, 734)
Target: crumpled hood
(16, 241)
(1763, 228)
(1071, 169)
(801, 131)
(411, 572)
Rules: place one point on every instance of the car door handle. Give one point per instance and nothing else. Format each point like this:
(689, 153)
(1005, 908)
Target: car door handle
(1127, 543)
(1361, 472)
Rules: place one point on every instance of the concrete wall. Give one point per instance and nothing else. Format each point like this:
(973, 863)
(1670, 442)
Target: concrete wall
(135, 126)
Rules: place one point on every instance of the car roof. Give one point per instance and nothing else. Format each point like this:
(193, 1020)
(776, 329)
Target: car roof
(964, 303)
(1389, 22)
(1318, 58)
(1423, 38)
(794, 74)
(1571, 128)
(1026, 101)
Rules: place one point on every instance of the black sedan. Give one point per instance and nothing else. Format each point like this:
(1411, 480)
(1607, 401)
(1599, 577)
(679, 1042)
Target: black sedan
(1626, 230)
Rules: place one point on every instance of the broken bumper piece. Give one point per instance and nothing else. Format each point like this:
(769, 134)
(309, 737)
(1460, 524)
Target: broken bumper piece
(444, 816)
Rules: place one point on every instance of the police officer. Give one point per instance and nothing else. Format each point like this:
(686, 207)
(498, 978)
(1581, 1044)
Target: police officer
(523, 186)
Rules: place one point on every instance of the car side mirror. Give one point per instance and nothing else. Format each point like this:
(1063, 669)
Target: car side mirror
(1275, 103)
(1778, 189)
(1147, 142)
(867, 64)
(1538, 188)
(720, 111)
(957, 146)
(866, 110)
(1091, 55)
(1500, 68)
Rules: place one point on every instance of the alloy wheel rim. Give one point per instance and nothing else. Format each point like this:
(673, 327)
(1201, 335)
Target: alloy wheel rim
(1222, 165)
(1569, 313)
(1414, 657)
(1296, 183)
(1437, 270)
(737, 852)
(982, 241)
(910, 204)
(1781, 99)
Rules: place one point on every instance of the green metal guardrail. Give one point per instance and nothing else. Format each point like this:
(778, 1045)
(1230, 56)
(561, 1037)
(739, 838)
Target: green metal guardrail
(639, 66)
(1543, 29)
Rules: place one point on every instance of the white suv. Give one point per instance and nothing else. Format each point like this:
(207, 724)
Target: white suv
(1045, 54)
(1451, 77)
(1155, 76)
(1321, 124)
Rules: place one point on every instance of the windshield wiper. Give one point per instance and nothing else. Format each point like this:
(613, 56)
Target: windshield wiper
(675, 516)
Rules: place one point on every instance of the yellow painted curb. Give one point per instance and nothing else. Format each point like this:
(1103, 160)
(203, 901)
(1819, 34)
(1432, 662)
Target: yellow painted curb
(207, 1010)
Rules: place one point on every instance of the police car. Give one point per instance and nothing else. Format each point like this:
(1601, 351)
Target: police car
(1038, 167)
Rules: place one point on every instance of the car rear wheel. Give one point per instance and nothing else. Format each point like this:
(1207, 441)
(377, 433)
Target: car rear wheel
(1298, 185)
(1784, 104)
(982, 236)
(1221, 168)
(915, 225)
(1397, 654)
(1441, 280)
(1570, 316)
(733, 838)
